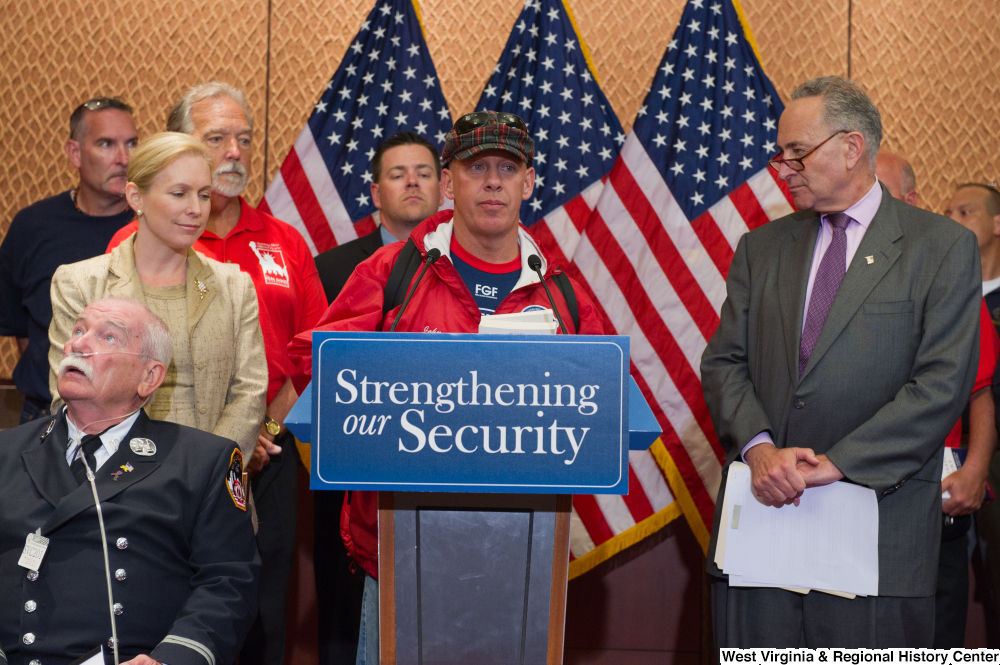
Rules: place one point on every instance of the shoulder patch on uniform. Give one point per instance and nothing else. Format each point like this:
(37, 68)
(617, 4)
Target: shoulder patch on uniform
(234, 480)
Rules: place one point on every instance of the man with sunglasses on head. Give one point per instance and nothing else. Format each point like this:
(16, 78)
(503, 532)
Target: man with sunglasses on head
(65, 228)
(843, 353)
(483, 269)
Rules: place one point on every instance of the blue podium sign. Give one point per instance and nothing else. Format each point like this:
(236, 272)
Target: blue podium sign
(470, 413)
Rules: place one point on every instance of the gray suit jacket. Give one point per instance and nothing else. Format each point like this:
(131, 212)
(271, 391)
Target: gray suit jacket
(887, 379)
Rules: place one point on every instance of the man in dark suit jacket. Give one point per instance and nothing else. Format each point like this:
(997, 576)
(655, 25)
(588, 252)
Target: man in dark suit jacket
(406, 189)
(182, 564)
(847, 348)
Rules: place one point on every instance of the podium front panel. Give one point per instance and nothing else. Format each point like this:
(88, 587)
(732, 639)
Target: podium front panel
(473, 578)
(430, 412)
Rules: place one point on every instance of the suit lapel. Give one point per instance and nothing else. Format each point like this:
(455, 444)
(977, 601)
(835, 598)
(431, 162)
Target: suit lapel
(371, 242)
(201, 289)
(795, 258)
(46, 464)
(124, 279)
(861, 277)
(82, 497)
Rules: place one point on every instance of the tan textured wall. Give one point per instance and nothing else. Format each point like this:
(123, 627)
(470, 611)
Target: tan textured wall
(931, 66)
(933, 69)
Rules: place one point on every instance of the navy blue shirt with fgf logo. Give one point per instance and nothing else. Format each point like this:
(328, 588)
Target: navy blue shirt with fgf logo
(489, 283)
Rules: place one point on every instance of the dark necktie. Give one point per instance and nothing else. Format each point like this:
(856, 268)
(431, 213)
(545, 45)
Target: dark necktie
(828, 279)
(89, 445)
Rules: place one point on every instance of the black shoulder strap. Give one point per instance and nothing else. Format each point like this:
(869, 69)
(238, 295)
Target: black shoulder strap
(407, 263)
(566, 288)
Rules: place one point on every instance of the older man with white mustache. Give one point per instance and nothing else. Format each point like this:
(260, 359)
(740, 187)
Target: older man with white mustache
(135, 532)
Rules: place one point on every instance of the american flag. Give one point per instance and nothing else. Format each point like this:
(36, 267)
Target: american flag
(385, 84)
(545, 76)
(691, 179)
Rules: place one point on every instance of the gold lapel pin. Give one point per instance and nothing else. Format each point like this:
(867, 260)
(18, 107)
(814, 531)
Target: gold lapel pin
(870, 259)
(202, 289)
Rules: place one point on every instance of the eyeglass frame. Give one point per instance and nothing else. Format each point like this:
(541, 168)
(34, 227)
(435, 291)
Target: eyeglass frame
(507, 119)
(776, 162)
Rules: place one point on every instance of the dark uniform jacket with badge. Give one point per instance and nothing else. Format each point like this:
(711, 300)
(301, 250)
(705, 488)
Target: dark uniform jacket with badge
(183, 560)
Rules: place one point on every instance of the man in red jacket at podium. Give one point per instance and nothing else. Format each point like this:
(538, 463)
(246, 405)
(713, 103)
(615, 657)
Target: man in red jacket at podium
(479, 258)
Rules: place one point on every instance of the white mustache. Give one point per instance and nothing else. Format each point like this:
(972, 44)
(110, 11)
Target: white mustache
(77, 362)
(231, 167)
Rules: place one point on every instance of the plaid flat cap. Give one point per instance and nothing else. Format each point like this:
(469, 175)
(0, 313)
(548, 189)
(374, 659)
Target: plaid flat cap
(488, 130)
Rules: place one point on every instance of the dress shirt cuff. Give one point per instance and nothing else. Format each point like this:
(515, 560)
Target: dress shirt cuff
(763, 437)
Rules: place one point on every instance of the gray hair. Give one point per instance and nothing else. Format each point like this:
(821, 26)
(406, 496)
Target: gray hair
(155, 341)
(179, 119)
(846, 107)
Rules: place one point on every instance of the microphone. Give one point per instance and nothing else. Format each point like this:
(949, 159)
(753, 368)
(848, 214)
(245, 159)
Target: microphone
(432, 256)
(535, 264)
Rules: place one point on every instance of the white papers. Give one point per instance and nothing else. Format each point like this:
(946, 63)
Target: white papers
(829, 542)
(538, 322)
(949, 467)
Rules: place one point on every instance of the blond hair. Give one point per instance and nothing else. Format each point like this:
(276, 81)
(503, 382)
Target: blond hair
(157, 152)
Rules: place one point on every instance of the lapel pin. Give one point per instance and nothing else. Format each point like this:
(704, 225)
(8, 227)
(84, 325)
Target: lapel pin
(202, 289)
(870, 259)
(143, 447)
(116, 474)
(126, 467)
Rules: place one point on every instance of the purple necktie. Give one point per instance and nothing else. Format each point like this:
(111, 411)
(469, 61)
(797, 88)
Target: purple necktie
(828, 279)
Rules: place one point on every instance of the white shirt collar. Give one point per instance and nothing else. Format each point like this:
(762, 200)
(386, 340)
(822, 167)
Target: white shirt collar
(440, 238)
(111, 438)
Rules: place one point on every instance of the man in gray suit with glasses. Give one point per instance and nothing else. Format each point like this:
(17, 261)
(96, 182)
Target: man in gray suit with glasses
(846, 350)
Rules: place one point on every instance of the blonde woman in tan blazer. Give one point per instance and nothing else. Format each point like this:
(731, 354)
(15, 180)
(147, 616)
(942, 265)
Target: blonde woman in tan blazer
(218, 380)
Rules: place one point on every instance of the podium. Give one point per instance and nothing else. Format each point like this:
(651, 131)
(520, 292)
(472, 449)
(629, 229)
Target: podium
(474, 476)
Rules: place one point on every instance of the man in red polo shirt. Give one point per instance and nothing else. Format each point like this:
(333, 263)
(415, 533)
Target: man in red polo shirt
(291, 300)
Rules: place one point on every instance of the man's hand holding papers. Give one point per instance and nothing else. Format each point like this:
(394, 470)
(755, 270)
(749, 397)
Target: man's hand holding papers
(827, 542)
(777, 477)
(822, 473)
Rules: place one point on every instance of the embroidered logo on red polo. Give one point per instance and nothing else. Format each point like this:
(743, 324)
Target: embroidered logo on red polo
(234, 480)
(272, 263)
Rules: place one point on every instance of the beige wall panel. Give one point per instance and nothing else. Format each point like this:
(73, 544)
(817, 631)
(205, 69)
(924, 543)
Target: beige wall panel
(56, 54)
(933, 69)
(308, 41)
(799, 40)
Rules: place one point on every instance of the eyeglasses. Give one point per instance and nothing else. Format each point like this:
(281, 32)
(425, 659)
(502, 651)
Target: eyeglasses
(472, 121)
(796, 164)
(100, 103)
